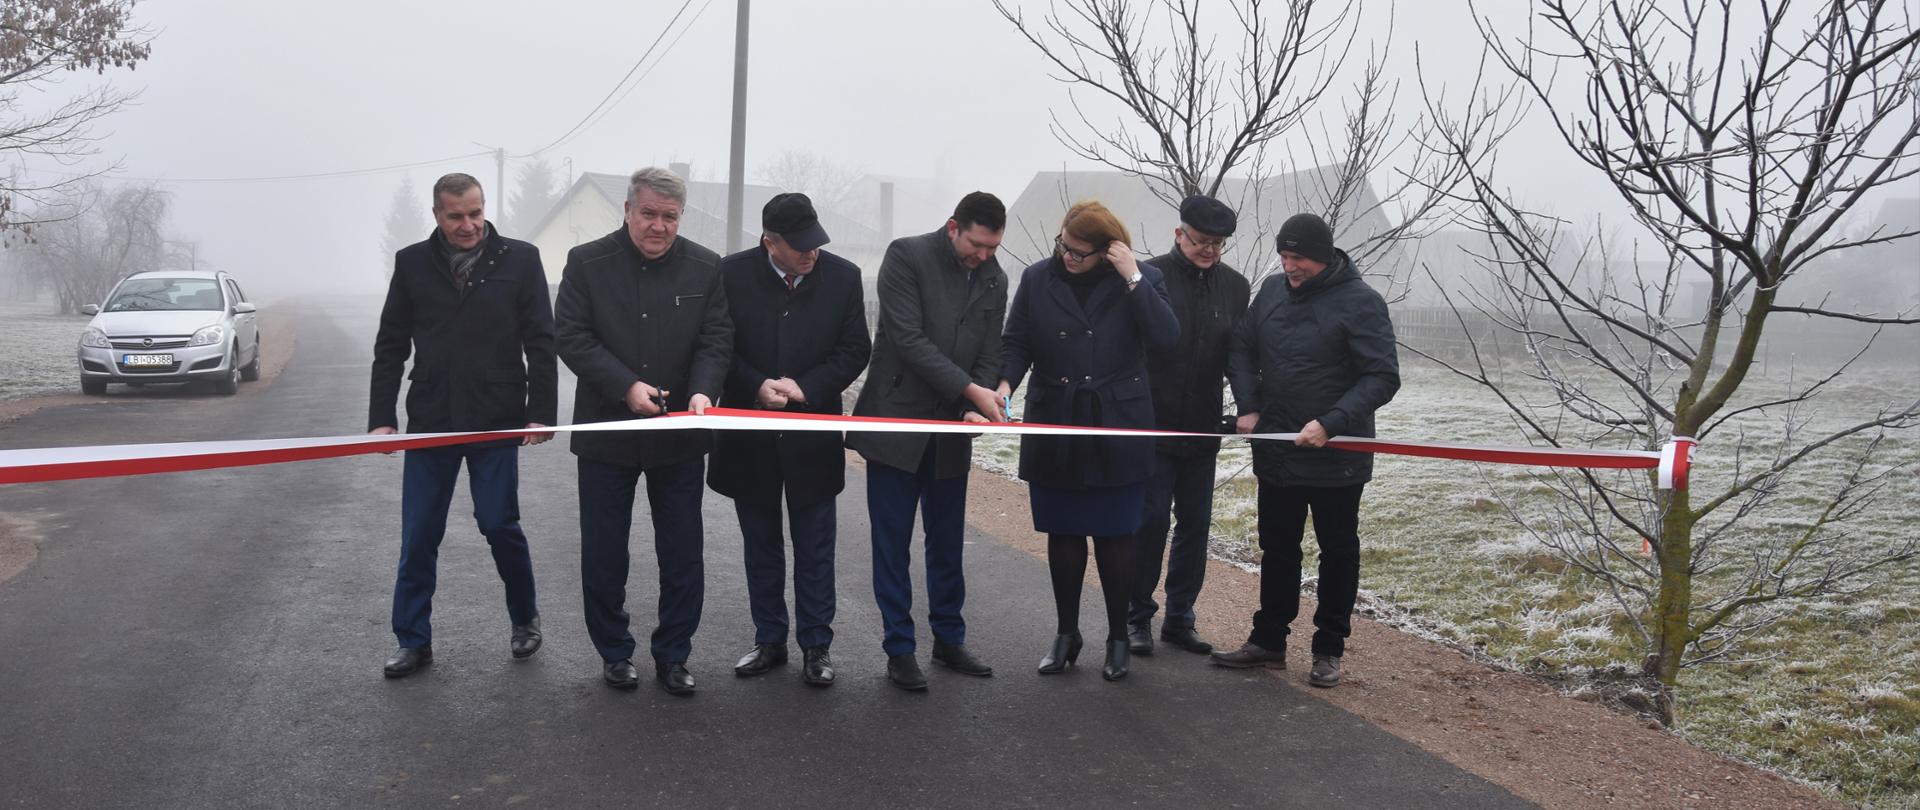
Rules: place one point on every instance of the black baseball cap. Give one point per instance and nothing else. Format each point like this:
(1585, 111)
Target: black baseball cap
(792, 216)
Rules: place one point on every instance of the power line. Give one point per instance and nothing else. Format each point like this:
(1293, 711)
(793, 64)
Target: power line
(583, 123)
(285, 177)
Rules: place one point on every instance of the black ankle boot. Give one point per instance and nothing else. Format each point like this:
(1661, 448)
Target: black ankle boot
(1066, 650)
(1117, 655)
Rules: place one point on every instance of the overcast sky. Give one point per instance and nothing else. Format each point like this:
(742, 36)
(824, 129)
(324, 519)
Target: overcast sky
(238, 90)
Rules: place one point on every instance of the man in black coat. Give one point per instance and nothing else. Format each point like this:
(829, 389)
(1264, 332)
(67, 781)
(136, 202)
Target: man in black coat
(471, 307)
(800, 338)
(642, 320)
(1314, 355)
(1188, 382)
(936, 354)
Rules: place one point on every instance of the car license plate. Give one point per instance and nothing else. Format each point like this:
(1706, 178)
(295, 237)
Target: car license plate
(145, 360)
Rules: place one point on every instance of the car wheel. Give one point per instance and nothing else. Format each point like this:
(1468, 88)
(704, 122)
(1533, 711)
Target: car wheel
(251, 371)
(229, 383)
(92, 387)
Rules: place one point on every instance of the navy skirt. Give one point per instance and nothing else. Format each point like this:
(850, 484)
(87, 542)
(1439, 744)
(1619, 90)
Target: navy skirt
(1098, 512)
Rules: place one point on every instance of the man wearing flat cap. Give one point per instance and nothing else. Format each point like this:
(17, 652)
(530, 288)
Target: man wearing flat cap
(1314, 356)
(1188, 381)
(800, 338)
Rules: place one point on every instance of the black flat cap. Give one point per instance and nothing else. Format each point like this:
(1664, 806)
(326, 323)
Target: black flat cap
(791, 215)
(1207, 215)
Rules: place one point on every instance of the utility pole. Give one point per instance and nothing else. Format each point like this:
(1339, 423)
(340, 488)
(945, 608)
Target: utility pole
(500, 182)
(737, 159)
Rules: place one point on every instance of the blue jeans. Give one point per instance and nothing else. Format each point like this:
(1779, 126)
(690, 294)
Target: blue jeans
(764, 550)
(606, 521)
(1184, 485)
(892, 496)
(426, 491)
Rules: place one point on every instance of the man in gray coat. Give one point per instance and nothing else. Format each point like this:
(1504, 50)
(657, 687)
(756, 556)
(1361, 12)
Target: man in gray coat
(1314, 355)
(936, 355)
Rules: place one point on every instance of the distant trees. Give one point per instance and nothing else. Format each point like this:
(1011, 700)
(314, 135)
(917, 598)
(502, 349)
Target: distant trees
(94, 236)
(40, 39)
(407, 223)
(538, 188)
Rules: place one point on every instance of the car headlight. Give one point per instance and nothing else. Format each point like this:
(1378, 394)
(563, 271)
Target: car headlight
(94, 338)
(208, 335)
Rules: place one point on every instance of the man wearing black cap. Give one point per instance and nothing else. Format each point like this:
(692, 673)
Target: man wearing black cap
(800, 338)
(1188, 381)
(1314, 355)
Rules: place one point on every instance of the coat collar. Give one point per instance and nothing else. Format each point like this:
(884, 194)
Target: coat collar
(1062, 295)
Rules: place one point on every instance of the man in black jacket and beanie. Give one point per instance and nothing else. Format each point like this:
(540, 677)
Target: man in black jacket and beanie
(641, 318)
(471, 307)
(1314, 355)
(800, 338)
(1188, 380)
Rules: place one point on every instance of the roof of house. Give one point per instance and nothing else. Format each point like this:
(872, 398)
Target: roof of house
(705, 218)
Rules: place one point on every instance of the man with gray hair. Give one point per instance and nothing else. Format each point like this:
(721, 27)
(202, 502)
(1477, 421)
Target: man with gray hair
(641, 319)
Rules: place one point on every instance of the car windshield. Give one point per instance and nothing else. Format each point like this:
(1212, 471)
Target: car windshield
(141, 294)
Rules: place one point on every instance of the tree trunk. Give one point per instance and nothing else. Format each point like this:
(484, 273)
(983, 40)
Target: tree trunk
(1671, 622)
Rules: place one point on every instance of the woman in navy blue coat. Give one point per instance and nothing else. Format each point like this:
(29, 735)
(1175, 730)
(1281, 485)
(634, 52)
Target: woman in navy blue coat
(1082, 322)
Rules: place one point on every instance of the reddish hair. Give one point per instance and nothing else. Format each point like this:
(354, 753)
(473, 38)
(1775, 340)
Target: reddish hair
(1091, 222)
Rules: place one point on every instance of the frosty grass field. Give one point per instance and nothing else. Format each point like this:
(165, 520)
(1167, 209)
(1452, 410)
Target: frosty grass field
(1830, 695)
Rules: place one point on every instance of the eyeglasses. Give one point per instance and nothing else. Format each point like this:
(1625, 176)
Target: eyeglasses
(1215, 245)
(1077, 255)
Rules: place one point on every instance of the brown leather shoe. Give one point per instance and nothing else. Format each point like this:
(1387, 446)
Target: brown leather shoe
(1326, 671)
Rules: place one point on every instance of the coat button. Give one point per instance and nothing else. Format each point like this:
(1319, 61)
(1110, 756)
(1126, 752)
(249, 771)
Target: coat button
(1086, 379)
(643, 314)
(1063, 381)
(1089, 333)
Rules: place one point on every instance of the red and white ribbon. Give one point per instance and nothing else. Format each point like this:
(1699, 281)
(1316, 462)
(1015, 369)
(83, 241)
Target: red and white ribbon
(100, 461)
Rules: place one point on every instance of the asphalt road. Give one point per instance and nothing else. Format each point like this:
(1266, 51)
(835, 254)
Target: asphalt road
(214, 639)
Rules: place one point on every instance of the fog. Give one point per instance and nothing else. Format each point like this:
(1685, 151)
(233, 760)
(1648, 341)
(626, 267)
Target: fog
(948, 92)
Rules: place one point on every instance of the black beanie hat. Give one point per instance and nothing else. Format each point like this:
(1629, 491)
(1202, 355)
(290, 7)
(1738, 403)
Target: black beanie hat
(1307, 235)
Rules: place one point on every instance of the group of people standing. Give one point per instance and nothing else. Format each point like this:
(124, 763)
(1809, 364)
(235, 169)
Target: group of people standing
(651, 322)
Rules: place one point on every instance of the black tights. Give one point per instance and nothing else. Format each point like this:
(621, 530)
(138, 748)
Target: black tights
(1067, 562)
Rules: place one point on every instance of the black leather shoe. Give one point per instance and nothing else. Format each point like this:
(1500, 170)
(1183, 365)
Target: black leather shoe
(761, 659)
(1185, 638)
(1116, 668)
(621, 674)
(674, 678)
(904, 673)
(526, 639)
(1066, 650)
(819, 667)
(408, 660)
(1140, 638)
(1250, 655)
(957, 658)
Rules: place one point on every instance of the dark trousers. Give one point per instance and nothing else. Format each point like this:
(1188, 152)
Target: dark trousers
(1179, 496)
(606, 521)
(891, 497)
(1283, 524)
(814, 534)
(426, 490)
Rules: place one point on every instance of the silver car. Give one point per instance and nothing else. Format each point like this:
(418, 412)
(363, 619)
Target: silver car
(171, 326)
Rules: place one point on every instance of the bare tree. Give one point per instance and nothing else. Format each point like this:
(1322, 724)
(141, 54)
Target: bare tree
(95, 236)
(1738, 135)
(40, 39)
(407, 223)
(826, 182)
(1195, 119)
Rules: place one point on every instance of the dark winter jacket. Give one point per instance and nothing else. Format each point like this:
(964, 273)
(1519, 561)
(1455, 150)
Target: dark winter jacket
(816, 335)
(1323, 352)
(1189, 380)
(622, 318)
(937, 334)
(482, 354)
(1089, 368)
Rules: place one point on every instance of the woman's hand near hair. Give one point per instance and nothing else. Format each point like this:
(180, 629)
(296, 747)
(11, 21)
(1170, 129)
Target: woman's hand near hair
(1120, 255)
